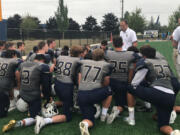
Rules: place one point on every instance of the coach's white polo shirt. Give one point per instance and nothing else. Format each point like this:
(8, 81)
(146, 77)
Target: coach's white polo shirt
(129, 36)
(176, 37)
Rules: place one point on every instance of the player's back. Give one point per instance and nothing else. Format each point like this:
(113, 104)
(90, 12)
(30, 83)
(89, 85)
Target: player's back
(163, 72)
(122, 61)
(30, 73)
(93, 73)
(7, 72)
(66, 68)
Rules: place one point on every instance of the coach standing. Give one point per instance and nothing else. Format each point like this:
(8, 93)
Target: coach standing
(176, 45)
(128, 35)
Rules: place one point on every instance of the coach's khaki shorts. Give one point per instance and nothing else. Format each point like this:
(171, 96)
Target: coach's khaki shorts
(176, 59)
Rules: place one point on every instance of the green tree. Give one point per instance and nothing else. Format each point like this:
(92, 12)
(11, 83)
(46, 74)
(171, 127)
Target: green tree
(73, 25)
(110, 23)
(29, 23)
(13, 25)
(62, 17)
(163, 29)
(51, 23)
(90, 24)
(126, 15)
(136, 20)
(14, 22)
(173, 20)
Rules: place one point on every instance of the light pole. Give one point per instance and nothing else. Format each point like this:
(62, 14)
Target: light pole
(122, 9)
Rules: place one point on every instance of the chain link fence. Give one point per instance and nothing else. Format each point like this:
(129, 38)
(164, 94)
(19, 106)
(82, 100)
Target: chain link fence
(62, 38)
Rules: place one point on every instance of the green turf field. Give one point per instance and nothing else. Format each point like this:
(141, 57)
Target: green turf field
(144, 123)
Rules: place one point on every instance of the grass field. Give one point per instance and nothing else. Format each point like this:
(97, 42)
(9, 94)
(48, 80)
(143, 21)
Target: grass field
(144, 123)
(59, 43)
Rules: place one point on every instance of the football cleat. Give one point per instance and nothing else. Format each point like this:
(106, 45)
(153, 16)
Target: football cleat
(39, 124)
(175, 132)
(172, 117)
(130, 122)
(9, 126)
(98, 111)
(115, 112)
(83, 129)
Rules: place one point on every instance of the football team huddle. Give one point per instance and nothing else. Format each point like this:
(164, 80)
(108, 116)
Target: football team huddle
(87, 80)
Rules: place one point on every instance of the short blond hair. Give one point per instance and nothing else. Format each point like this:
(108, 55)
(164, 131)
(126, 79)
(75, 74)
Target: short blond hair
(76, 50)
(98, 54)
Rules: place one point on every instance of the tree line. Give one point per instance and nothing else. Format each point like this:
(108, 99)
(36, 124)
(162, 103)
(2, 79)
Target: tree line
(110, 22)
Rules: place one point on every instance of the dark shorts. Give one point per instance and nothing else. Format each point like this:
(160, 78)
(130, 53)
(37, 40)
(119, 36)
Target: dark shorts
(46, 85)
(120, 92)
(87, 99)
(65, 93)
(163, 102)
(4, 104)
(34, 107)
(176, 85)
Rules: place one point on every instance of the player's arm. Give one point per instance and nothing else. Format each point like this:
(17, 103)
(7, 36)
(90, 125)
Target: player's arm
(106, 79)
(140, 73)
(17, 74)
(139, 77)
(132, 66)
(131, 72)
(52, 68)
(54, 60)
(78, 69)
(75, 75)
(174, 43)
(135, 43)
(134, 39)
(79, 78)
(52, 54)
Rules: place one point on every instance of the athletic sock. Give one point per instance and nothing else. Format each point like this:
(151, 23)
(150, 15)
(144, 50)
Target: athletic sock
(104, 111)
(48, 120)
(86, 124)
(147, 105)
(118, 111)
(131, 113)
(28, 121)
(97, 106)
(19, 123)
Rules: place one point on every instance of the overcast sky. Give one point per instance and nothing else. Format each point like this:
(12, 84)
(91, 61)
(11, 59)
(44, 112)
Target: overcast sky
(79, 10)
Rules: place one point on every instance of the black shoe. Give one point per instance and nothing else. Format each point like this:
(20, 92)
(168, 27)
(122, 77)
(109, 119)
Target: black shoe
(144, 109)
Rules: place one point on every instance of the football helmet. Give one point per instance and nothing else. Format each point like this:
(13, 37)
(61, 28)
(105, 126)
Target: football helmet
(49, 110)
(21, 105)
